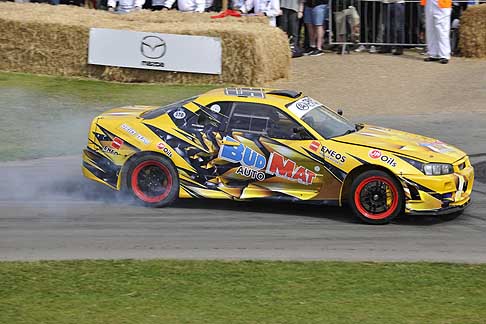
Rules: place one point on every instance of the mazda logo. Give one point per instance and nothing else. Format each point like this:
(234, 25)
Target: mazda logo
(153, 47)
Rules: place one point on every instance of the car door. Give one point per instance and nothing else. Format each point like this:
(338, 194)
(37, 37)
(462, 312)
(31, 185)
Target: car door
(266, 152)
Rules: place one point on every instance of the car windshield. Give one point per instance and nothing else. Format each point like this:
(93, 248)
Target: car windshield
(162, 110)
(322, 119)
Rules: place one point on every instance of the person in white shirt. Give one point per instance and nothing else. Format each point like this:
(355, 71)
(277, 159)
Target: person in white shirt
(269, 8)
(125, 5)
(189, 5)
(437, 28)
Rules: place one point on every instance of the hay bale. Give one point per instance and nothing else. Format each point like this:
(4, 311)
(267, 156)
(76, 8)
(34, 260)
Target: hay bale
(472, 40)
(45, 39)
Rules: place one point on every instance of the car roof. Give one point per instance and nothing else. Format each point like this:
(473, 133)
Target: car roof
(274, 97)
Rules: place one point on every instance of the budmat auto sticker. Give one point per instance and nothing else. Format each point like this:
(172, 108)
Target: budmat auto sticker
(277, 164)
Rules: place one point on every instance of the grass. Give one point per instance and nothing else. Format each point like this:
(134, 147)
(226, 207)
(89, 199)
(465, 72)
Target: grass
(49, 116)
(241, 292)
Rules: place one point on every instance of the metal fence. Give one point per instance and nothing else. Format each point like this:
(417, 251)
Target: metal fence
(372, 22)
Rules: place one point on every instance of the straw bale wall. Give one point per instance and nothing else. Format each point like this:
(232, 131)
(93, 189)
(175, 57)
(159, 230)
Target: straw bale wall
(45, 39)
(472, 40)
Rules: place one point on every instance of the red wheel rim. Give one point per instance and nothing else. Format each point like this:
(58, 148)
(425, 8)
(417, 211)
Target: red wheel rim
(384, 189)
(151, 181)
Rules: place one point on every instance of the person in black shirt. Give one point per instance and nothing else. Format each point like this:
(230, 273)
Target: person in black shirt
(315, 16)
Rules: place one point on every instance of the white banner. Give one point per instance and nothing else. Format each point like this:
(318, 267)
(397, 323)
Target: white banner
(166, 52)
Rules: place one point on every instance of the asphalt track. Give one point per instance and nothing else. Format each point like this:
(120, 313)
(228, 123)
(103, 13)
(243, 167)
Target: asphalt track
(48, 211)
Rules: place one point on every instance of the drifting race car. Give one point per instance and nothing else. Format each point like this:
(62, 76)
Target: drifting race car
(248, 143)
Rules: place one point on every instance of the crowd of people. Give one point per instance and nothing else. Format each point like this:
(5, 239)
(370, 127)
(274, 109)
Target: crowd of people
(377, 26)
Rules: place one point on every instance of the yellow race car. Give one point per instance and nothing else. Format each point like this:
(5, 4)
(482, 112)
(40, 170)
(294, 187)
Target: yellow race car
(249, 143)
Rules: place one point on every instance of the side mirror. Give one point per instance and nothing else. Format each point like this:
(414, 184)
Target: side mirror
(301, 132)
(340, 112)
(298, 129)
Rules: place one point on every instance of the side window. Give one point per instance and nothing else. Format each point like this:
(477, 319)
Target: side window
(221, 107)
(265, 120)
(213, 115)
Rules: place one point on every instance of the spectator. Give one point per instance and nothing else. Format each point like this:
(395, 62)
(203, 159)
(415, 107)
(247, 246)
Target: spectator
(370, 25)
(157, 5)
(437, 29)
(190, 5)
(292, 11)
(315, 16)
(125, 5)
(394, 21)
(269, 8)
(347, 24)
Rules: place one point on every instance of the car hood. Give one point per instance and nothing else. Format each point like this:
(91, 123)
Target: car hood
(421, 147)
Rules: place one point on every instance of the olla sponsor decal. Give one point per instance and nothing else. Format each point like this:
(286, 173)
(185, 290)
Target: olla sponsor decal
(253, 162)
(376, 154)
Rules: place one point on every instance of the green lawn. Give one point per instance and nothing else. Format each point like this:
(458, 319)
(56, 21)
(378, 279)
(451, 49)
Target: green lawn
(241, 292)
(48, 116)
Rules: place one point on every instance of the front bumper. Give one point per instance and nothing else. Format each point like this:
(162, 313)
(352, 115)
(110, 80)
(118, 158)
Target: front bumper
(439, 195)
(442, 211)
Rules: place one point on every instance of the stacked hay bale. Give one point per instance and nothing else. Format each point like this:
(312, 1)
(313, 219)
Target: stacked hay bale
(473, 32)
(46, 39)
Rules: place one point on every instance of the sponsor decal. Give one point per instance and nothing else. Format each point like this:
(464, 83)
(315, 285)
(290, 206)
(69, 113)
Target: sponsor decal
(245, 92)
(437, 146)
(216, 108)
(277, 165)
(161, 146)
(288, 169)
(303, 106)
(130, 131)
(251, 173)
(110, 150)
(179, 114)
(333, 155)
(241, 154)
(314, 145)
(376, 154)
(116, 143)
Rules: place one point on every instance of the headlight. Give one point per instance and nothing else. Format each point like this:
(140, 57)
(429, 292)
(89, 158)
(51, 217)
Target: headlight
(430, 168)
(437, 168)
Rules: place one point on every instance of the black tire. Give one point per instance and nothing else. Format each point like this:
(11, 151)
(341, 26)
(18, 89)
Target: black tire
(152, 180)
(375, 197)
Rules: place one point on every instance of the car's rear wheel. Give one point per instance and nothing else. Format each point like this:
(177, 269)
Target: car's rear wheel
(152, 180)
(376, 197)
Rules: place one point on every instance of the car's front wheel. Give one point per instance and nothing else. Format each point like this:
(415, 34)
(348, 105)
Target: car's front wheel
(376, 197)
(152, 180)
